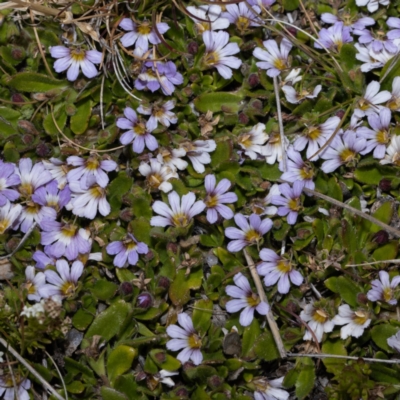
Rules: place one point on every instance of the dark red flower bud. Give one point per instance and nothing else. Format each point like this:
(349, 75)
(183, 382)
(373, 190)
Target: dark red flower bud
(145, 300)
(126, 288)
(163, 282)
(381, 237)
(17, 98)
(193, 48)
(385, 185)
(254, 80)
(243, 119)
(340, 114)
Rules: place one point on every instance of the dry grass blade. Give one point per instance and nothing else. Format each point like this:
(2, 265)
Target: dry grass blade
(376, 360)
(270, 317)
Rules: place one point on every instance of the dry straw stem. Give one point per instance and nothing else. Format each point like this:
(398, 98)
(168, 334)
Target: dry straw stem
(31, 370)
(20, 244)
(376, 360)
(338, 203)
(270, 317)
(374, 262)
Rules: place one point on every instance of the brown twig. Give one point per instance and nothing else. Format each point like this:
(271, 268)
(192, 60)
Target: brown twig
(270, 317)
(377, 360)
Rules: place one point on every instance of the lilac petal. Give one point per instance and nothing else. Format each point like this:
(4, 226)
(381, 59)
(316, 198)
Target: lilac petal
(246, 316)
(185, 322)
(177, 332)
(262, 308)
(209, 183)
(241, 222)
(283, 284)
(115, 247)
(296, 277)
(212, 215)
(236, 245)
(225, 211)
(88, 69)
(235, 291)
(73, 71)
(176, 344)
(196, 357)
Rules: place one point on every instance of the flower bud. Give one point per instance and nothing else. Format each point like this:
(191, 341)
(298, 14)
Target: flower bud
(126, 288)
(163, 282)
(193, 48)
(385, 185)
(381, 237)
(17, 98)
(145, 300)
(253, 80)
(243, 119)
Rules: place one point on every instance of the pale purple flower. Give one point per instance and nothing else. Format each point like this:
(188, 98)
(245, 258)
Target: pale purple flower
(370, 58)
(253, 141)
(270, 389)
(354, 321)
(180, 213)
(318, 320)
(290, 202)
(394, 341)
(159, 112)
(89, 168)
(43, 260)
(34, 283)
(242, 16)
(32, 177)
(343, 150)
(58, 170)
(86, 202)
(334, 37)
(216, 196)
(266, 208)
(314, 137)
(376, 41)
(8, 179)
(138, 134)
(9, 391)
(141, 33)
(278, 269)
(379, 136)
(393, 22)
(219, 53)
(63, 239)
(159, 75)
(207, 17)
(297, 169)
(186, 338)
(372, 5)
(9, 213)
(274, 150)
(157, 175)
(392, 155)
(348, 20)
(34, 212)
(274, 60)
(197, 152)
(252, 229)
(51, 196)
(246, 299)
(383, 289)
(262, 3)
(294, 97)
(127, 251)
(76, 59)
(370, 102)
(64, 282)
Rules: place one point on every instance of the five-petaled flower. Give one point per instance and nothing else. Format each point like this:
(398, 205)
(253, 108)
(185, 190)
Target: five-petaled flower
(383, 289)
(127, 251)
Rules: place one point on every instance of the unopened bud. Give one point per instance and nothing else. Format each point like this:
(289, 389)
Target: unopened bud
(145, 300)
(254, 80)
(385, 185)
(193, 48)
(381, 237)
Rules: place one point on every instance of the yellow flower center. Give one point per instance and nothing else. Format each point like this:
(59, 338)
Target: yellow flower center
(274, 139)
(92, 163)
(180, 220)
(245, 140)
(252, 236)
(242, 23)
(387, 294)
(97, 192)
(26, 190)
(347, 155)
(211, 58)
(363, 104)
(144, 28)
(253, 300)
(32, 208)
(306, 172)
(154, 181)
(360, 317)
(394, 103)
(382, 137)
(131, 245)
(284, 266)
(139, 128)
(211, 201)
(4, 225)
(68, 288)
(314, 133)
(396, 159)
(31, 287)
(69, 230)
(279, 64)
(78, 55)
(194, 341)
(203, 26)
(294, 204)
(320, 316)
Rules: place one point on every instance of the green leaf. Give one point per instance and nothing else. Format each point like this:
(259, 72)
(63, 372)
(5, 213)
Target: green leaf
(218, 101)
(348, 56)
(117, 188)
(380, 334)
(202, 313)
(179, 291)
(334, 189)
(33, 82)
(250, 336)
(104, 289)
(305, 381)
(111, 394)
(386, 252)
(222, 153)
(265, 347)
(164, 360)
(141, 229)
(108, 322)
(334, 347)
(384, 214)
(48, 123)
(347, 289)
(80, 120)
(119, 361)
(290, 5)
(369, 176)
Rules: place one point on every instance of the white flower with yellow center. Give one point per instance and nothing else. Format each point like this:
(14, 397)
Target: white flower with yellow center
(273, 149)
(208, 18)
(392, 155)
(370, 102)
(383, 289)
(252, 142)
(354, 321)
(34, 283)
(8, 215)
(318, 320)
(157, 175)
